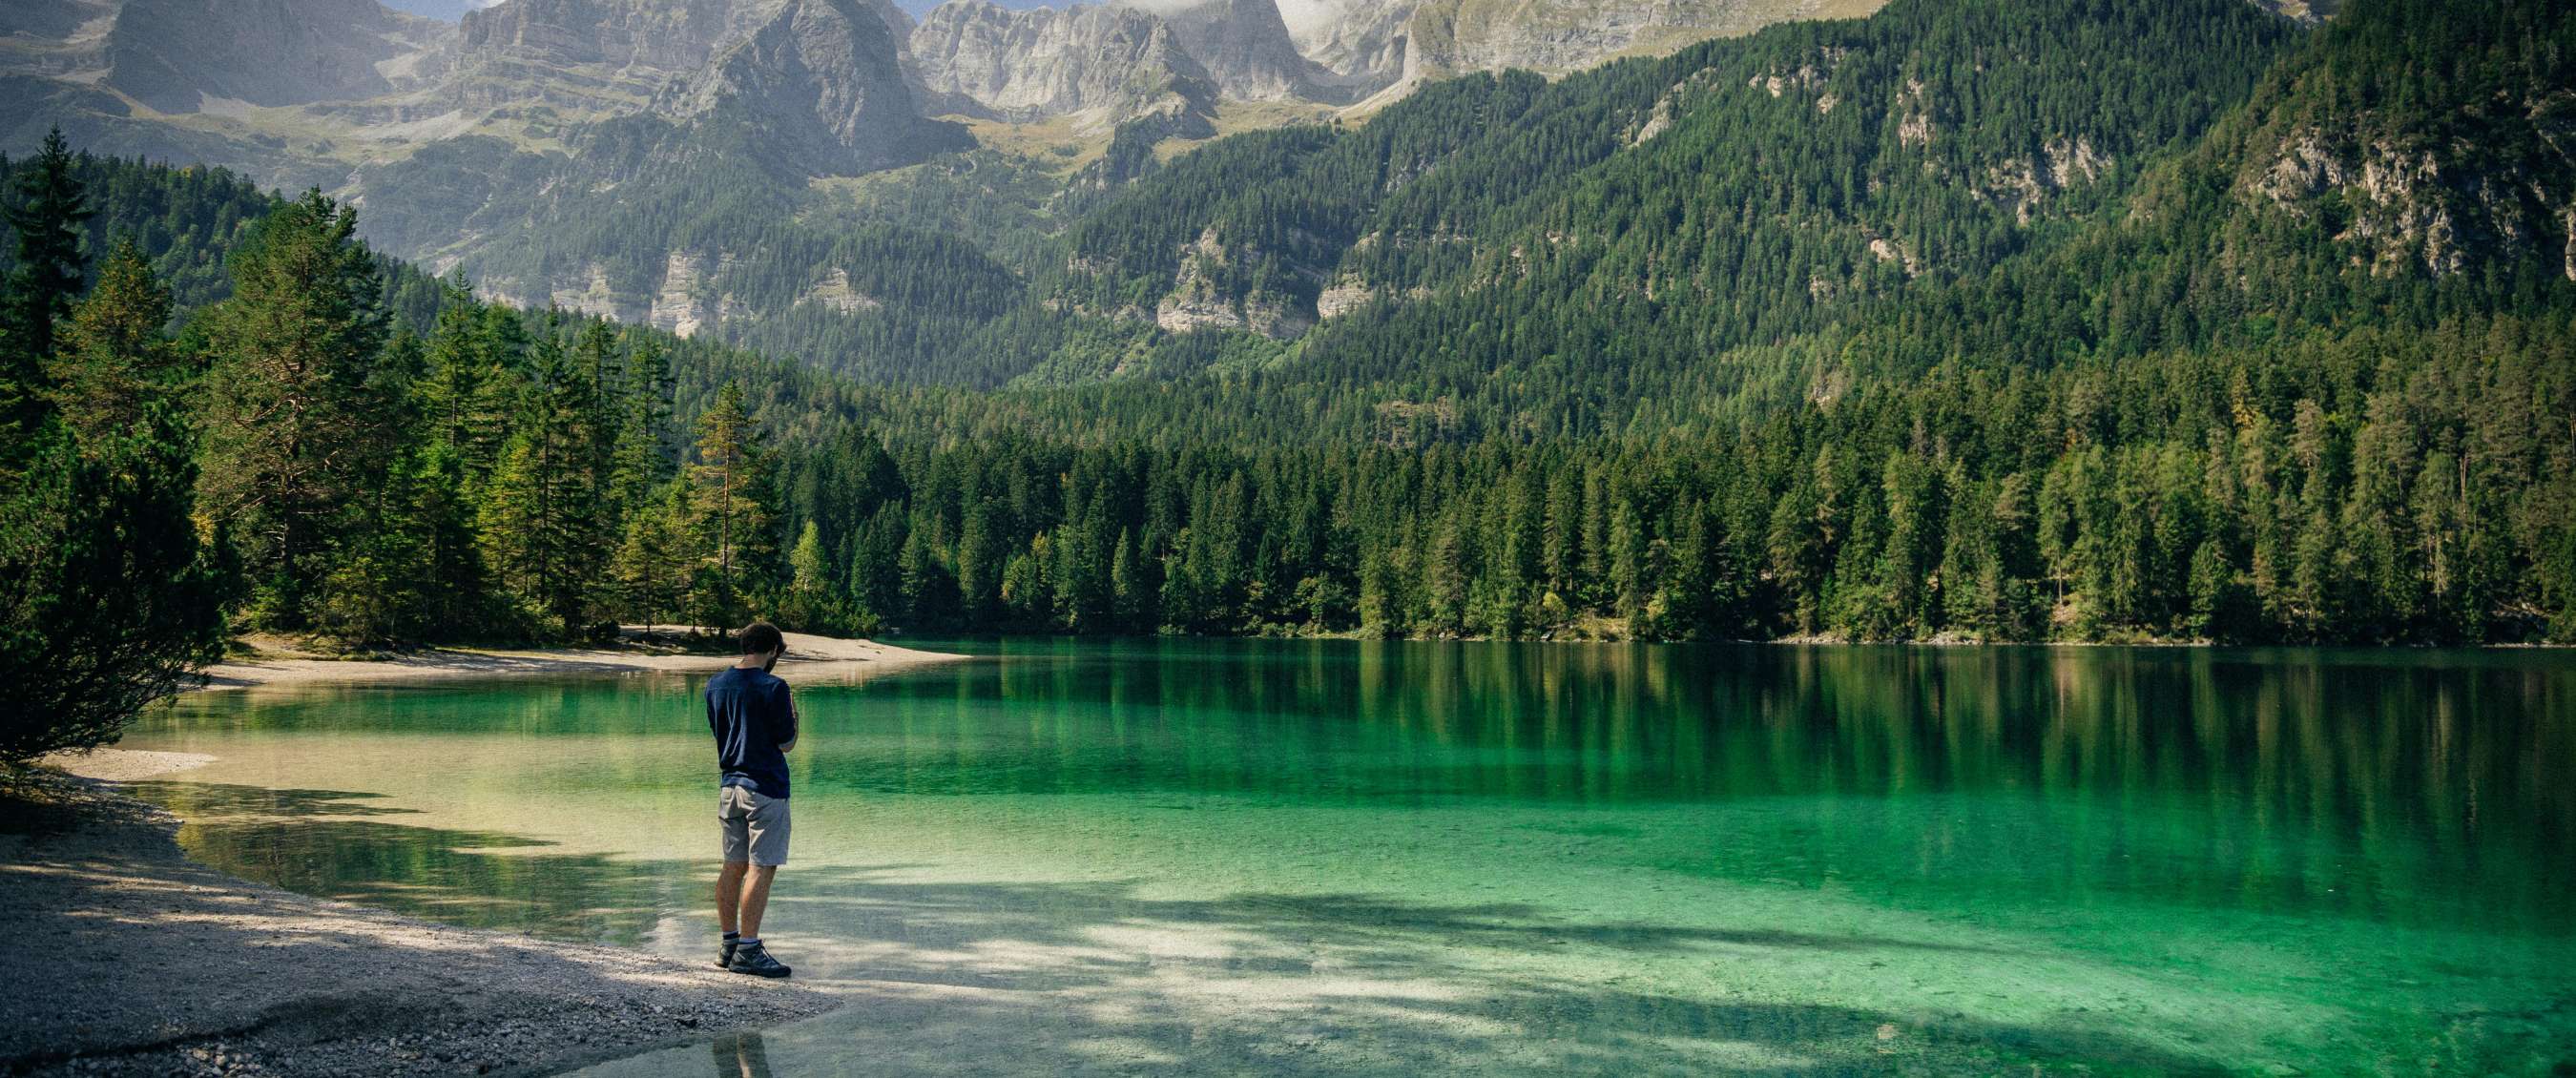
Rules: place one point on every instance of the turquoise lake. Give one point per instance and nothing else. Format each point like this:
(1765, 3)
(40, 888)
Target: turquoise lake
(1341, 857)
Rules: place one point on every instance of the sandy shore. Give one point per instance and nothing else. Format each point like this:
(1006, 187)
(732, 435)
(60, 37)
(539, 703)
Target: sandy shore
(809, 659)
(132, 959)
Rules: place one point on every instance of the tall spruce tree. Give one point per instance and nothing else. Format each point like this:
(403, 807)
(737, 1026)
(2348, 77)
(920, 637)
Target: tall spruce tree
(542, 512)
(112, 359)
(291, 409)
(733, 509)
(640, 460)
(47, 211)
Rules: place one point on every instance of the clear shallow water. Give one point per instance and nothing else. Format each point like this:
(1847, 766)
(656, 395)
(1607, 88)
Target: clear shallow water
(1342, 857)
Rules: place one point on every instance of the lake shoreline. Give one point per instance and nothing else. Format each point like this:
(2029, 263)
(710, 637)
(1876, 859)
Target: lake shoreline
(809, 658)
(172, 967)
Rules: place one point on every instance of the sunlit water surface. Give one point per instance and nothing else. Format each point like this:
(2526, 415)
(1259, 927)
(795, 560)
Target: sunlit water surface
(1343, 857)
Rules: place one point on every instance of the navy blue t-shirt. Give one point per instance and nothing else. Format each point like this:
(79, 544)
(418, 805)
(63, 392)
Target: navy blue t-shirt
(751, 716)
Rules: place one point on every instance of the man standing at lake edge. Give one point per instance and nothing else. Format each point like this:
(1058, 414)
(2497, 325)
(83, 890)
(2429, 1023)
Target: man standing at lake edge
(754, 720)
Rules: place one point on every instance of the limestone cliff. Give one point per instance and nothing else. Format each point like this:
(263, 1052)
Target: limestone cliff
(819, 85)
(1099, 64)
(1390, 48)
(1243, 44)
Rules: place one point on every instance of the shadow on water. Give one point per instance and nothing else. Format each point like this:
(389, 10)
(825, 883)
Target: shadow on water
(305, 841)
(1051, 977)
(210, 799)
(740, 1055)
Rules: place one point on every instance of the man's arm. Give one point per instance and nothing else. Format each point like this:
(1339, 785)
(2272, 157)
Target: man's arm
(788, 743)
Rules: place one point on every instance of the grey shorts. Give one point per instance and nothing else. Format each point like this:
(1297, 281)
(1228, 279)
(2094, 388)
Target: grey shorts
(755, 826)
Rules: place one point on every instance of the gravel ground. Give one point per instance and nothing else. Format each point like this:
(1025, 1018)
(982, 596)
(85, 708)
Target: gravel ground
(127, 958)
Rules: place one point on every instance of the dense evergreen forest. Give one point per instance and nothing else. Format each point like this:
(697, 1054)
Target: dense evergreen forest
(1777, 361)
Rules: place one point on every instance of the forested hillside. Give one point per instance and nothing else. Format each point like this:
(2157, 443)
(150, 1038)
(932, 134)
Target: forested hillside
(377, 456)
(1648, 352)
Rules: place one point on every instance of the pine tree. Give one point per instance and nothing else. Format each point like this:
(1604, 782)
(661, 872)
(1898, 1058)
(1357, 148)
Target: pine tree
(288, 404)
(541, 516)
(599, 373)
(640, 460)
(455, 585)
(453, 401)
(876, 564)
(108, 602)
(812, 603)
(929, 585)
(733, 509)
(112, 359)
(47, 213)
(650, 566)
(2217, 599)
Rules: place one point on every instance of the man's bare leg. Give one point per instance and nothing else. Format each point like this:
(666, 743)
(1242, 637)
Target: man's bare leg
(755, 898)
(729, 894)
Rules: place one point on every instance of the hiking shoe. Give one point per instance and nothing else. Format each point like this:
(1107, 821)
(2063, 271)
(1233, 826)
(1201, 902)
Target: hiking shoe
(754, 959)
(724, 960)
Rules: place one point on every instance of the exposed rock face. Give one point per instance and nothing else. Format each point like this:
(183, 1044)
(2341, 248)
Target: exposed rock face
(1104, 64)
(1564, 35)
(597, 297)
(2411, 204)
(589, 54)
(836, 292)
(175, 54)
(1243, 44)
(2306, 11)
(2569, 216)
(820, 85)
(618, 33)
(1360, 45)
(676, 308)
(2027, 183)
(1108, 64)
(1389, 47)
(1346, 295)
(1197, 302)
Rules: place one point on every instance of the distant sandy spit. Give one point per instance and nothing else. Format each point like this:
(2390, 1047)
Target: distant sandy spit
(809, 659)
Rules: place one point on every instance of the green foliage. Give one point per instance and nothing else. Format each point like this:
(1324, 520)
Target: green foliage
(112, 356)
(2286, 492)
(111, 601)
(43, 279)
(731, 511)
(45, 276)
(296, 426)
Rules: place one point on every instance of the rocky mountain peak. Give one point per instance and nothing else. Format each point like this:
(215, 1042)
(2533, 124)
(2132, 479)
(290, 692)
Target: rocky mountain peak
(820, 84)
(1099, 63)
(1243, 44)
(1360, 45)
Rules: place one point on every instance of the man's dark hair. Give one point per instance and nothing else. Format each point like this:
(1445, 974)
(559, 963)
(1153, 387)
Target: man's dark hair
(761, 636)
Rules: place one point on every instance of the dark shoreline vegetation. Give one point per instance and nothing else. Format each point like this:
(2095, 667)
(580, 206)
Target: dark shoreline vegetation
(2151, 409)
